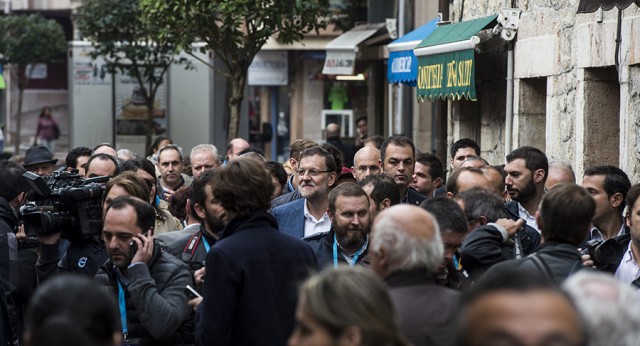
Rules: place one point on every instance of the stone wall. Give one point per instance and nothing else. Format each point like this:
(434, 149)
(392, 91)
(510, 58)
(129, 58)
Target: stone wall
(569, 99)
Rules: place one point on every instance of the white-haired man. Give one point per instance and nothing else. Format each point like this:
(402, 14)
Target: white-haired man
(203, 157)
(407, 250)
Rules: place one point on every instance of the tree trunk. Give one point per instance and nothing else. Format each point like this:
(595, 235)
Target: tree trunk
(22, 84)
(16, 148)
(238, 81)
(150, 123)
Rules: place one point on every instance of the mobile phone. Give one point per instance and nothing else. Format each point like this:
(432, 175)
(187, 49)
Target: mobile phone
(133, 248)
(192, 293)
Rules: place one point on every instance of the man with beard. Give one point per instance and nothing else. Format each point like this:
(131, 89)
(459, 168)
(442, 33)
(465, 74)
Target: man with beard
(148, 282)
(193, 249)
(526, 172)
(308, 215)
(397, 158)
(348, 240)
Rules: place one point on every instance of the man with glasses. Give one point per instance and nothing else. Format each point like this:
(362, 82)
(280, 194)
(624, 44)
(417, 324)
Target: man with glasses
(316, 175)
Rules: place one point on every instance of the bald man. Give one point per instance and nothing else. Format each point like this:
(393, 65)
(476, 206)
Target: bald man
(466, 178)
(234, 148)
(406, 251)
(559, 172)
(495, 177)
(366, 162)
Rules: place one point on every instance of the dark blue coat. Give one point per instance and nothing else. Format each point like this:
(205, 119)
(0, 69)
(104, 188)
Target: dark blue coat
(251, 284)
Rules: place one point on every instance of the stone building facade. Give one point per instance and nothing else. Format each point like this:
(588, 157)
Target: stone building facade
(570, 99)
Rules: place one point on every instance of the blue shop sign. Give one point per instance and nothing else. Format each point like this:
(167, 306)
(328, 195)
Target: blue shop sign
(403, 64)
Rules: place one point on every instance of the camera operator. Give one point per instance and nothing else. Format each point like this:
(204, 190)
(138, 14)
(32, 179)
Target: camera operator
(13, 190)
(85, 252)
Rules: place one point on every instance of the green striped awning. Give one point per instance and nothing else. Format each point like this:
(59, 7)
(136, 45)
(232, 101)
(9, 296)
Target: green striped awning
(446, 61)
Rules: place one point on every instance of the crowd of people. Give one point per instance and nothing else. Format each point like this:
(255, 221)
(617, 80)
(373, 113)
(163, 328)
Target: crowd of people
(373, 245)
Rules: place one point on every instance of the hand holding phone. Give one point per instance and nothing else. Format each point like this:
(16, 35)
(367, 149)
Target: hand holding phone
(141, 247)
(133, 248)
(191, 292)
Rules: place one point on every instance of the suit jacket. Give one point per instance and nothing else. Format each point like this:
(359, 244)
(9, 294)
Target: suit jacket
(414, 197)
(290, 218)
(286, 198)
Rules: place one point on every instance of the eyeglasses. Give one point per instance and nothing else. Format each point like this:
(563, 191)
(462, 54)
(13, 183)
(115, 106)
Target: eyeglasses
(312, 172)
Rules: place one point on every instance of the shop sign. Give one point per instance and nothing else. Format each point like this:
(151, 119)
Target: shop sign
(447, 76)
(339, 62)
(269, 68)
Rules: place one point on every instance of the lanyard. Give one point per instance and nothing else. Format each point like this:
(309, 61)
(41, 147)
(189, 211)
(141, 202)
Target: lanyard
(335, 253)
(123, 310)
(207, 247)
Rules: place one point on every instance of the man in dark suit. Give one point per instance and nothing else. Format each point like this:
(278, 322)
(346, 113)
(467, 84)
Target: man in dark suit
(253, 271)
(308, 215)
(398, 159)
(406, 251)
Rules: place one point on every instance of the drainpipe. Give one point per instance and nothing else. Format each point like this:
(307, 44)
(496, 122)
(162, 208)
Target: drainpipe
(400, 94)
(618, 41)
(390, 121)
(509, 110)
(509, 20)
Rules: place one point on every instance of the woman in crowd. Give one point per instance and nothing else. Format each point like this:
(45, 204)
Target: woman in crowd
(345, 306)
(47, 131)
(159, 142)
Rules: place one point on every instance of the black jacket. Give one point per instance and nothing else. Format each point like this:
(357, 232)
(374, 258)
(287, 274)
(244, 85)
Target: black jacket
(412, 197)
(82, 256)
(157, 309)
(616, 247)
(556, 261)
(251, 284)
(9, 270)
(322, 246)
(484, 247)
